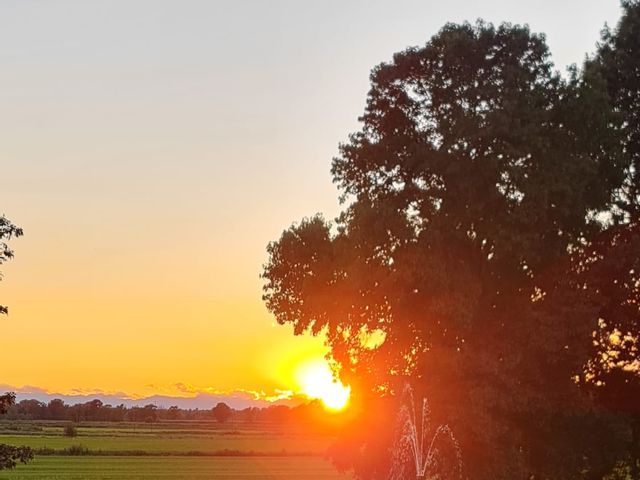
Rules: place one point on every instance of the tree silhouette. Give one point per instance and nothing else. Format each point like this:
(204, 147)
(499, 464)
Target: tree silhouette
(221, 412)
(608, 274)
(9, 455)
(612, 272)
(477, 172)
(7, 231)
(617, 63)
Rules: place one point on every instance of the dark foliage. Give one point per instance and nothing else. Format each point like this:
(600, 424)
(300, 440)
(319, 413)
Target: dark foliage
(617, 64)
(479, 182)
(10, 456)
(7, 231)
(221, 412)
(6, 401)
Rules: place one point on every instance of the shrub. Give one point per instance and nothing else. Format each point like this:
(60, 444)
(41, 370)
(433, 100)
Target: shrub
(76, 450)
(10, 456)
(70, 431)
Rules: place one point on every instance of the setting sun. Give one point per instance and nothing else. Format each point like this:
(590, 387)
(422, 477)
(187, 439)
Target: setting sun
(317, 381)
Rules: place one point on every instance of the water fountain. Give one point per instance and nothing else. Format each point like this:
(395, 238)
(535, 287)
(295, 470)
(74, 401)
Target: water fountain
(415, 447)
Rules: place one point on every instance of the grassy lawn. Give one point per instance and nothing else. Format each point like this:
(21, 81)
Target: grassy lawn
(174, 468)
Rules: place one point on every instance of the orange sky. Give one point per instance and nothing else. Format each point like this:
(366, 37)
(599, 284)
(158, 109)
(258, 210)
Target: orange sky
(151, 149)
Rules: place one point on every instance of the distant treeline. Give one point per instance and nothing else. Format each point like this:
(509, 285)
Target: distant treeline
(97, 411)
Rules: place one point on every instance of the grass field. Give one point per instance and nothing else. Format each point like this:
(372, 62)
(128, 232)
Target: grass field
(173, 468)
(290, 444)
(169, 451)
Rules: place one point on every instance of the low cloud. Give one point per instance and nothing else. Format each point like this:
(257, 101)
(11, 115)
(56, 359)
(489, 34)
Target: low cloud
(180, 394)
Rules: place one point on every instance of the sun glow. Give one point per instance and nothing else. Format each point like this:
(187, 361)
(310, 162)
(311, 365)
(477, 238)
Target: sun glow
(317, 381)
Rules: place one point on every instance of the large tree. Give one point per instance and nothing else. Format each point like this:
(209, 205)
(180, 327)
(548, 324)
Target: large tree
(477, 172)
(222, 412)
(609, 272)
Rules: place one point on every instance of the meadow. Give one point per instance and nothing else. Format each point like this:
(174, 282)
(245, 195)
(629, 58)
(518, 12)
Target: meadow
(168, 450)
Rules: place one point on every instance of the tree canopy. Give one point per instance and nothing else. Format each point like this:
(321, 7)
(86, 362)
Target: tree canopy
(221, 412)
(473, 192)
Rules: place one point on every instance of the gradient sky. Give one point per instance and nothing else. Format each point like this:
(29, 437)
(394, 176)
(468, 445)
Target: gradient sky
(151, 150)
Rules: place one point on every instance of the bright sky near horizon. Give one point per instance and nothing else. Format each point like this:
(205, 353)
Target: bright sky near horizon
(151, 149)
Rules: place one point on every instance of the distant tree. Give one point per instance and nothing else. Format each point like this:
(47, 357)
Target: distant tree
(221, 412)
(57, 409)
(134, 414)
(32, 409)
(92, 409)
(75, 413)
(150, 413)
(173, 413)
(476, 173)
(276, 413)
(118, 413)
(249, 414)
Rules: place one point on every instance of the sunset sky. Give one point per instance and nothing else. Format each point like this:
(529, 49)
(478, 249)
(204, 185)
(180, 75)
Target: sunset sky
(151, 150)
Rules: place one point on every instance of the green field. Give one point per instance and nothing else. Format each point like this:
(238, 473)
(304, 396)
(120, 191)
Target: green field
(181, 444)
(111, 468)
(169, 451)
